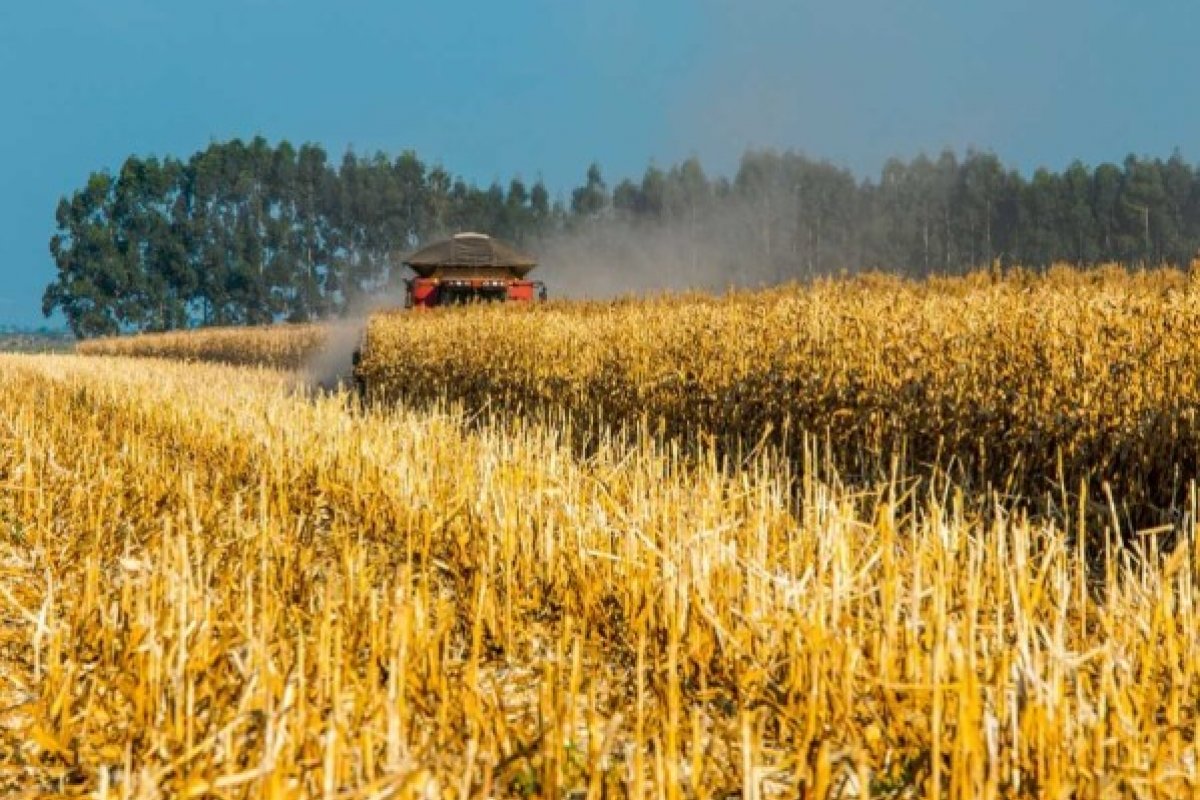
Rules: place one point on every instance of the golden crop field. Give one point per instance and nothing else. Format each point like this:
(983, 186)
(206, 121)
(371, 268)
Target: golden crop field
(280, 346)
(1024, 384)
(218, 583)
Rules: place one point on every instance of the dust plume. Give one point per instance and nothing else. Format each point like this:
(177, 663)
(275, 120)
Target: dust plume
(332, 366)
(717, 250)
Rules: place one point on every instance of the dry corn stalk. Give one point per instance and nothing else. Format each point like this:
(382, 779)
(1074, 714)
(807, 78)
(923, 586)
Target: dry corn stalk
(215, 586)
(1024, 384)
(281, 346)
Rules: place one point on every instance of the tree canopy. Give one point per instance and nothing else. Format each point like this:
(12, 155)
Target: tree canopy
(250, 232)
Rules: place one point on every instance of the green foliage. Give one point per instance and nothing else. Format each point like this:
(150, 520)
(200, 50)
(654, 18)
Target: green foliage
(250, 233)
(247, 233)
(592, 198)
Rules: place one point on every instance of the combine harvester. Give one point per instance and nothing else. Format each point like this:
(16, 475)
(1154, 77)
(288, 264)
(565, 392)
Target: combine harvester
(466, 268)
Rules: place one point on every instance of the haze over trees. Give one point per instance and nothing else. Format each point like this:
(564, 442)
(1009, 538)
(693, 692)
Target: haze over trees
(250, 232)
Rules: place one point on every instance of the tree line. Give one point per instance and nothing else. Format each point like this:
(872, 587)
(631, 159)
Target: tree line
(251, 233)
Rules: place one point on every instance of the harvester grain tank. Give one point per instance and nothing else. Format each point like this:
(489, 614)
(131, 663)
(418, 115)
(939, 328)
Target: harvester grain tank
(470, 267)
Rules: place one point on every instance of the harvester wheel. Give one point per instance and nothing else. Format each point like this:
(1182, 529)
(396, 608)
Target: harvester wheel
(360, 385)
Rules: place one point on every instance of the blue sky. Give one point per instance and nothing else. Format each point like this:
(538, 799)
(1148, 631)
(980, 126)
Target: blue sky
(540, 88)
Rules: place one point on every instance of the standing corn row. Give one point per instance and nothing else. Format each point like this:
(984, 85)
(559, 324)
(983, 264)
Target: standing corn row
(1024, 384)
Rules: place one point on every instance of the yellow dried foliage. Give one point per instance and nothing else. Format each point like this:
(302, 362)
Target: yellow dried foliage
(1023, 383)
(217, 586)
(280, 346)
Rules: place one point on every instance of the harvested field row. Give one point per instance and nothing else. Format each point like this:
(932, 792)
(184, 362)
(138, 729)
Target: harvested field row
(214, 586)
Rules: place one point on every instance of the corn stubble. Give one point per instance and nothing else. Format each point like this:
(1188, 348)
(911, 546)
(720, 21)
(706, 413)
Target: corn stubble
(217, 585)
(214, 586)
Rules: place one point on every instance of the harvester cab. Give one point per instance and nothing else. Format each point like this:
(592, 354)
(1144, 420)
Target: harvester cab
(469, 268)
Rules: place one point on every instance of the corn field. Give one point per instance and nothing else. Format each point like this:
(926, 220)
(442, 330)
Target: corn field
(1022, 385)
(218, 584)
(279, 346)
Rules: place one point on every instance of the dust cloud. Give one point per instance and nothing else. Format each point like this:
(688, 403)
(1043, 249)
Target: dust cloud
(714, 252)
(332, 367)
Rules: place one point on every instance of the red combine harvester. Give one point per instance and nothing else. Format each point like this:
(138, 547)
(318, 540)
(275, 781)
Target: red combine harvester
(467, 268)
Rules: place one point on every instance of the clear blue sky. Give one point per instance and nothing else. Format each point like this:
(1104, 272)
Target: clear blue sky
(542, 87)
